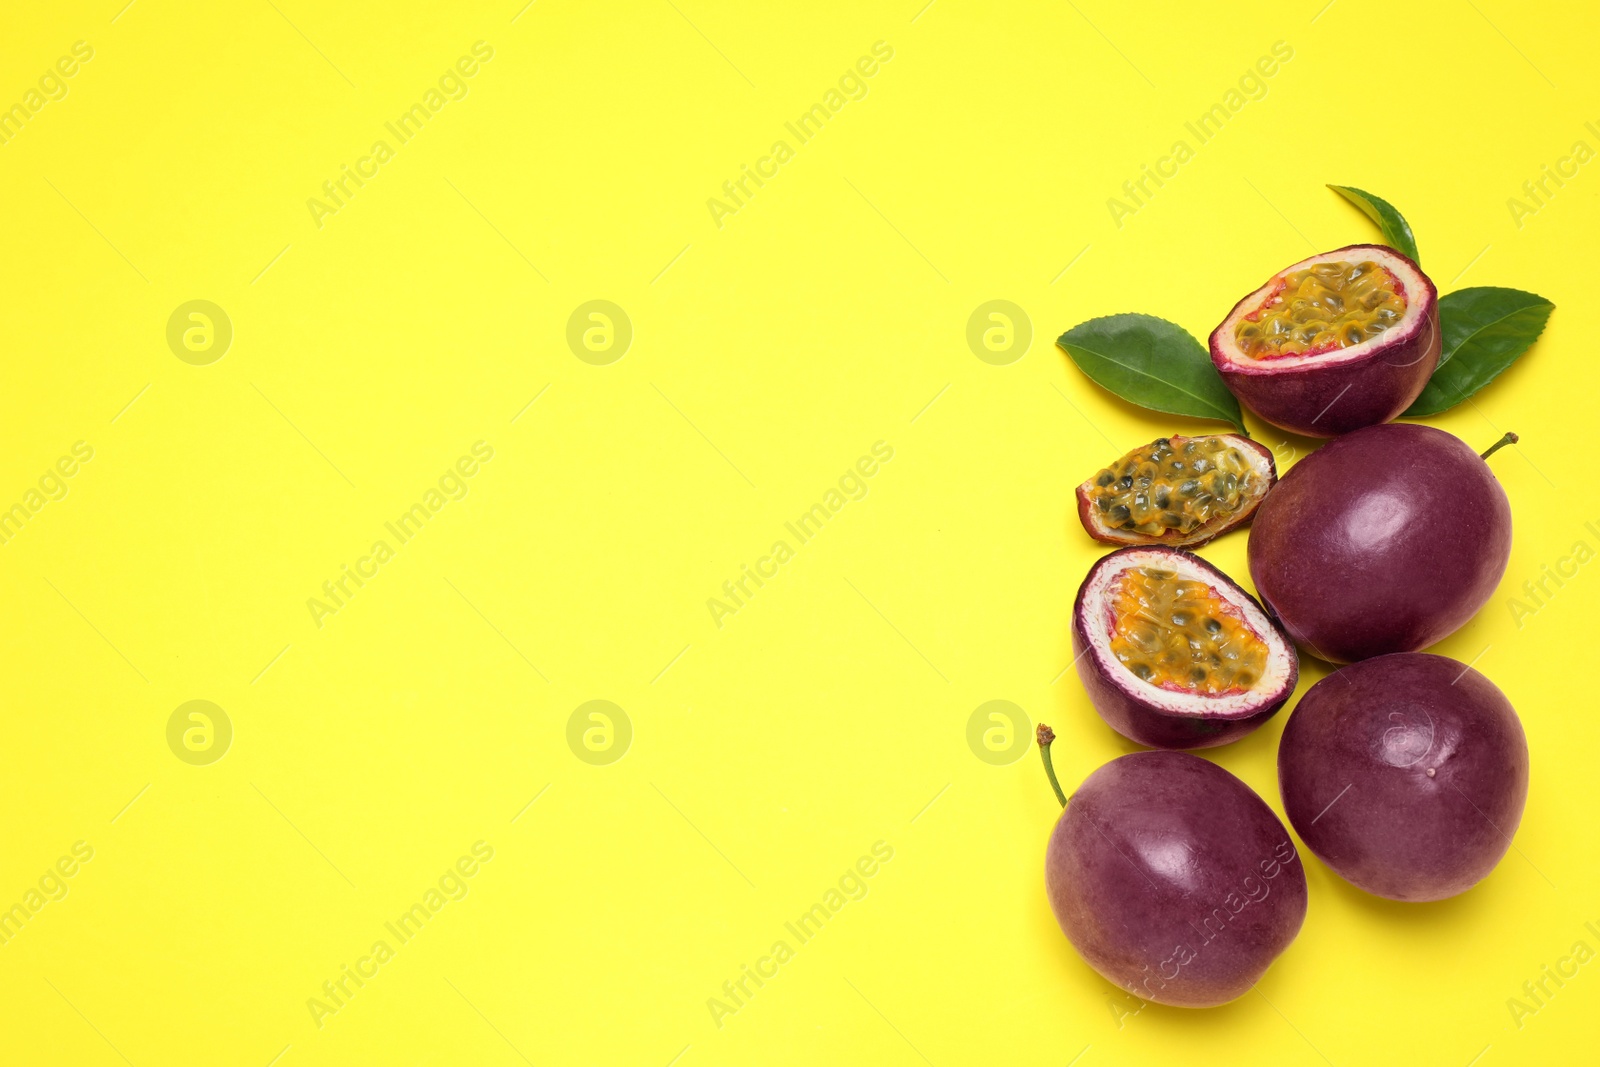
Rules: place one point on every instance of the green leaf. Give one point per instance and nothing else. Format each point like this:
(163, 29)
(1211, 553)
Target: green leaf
(1485, 329)
(1396, 230)
(1153, 363)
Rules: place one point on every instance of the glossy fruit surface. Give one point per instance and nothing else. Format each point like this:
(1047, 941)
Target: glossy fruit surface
(1173, 879)
(1338, 341)
(1177, 491)
(1385, 540)
(1173, 654)
(1406, 774)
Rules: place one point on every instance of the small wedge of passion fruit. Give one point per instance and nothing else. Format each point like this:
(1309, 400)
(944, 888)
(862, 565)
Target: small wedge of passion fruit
(1341, 340)
(1173, 654)
(1177, 491)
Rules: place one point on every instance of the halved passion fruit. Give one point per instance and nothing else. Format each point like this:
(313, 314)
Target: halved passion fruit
(1177, 491)
(1336, 342)
(1173, 654)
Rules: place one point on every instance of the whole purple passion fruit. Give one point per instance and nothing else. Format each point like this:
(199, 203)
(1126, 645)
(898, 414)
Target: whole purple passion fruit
(1172, 878)
(1385, 540)
(1173, 654)
(1177, 491)
(1406, 774)
(1336, 342)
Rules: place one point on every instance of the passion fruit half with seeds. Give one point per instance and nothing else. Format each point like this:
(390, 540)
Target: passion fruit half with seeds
(1341, 340)
(1177, 491)
(1173, 654)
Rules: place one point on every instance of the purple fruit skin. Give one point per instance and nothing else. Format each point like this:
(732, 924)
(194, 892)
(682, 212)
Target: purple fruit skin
(1173, 879)
(1385, 540)
(1379, 727)
(1327, 401)
(1138, 720)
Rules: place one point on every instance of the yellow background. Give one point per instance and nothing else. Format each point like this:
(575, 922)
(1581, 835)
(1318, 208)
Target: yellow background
(768, 354)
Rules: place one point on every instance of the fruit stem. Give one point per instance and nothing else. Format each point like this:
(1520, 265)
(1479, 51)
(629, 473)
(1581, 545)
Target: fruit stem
(1045, 735)
(1508, 439)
